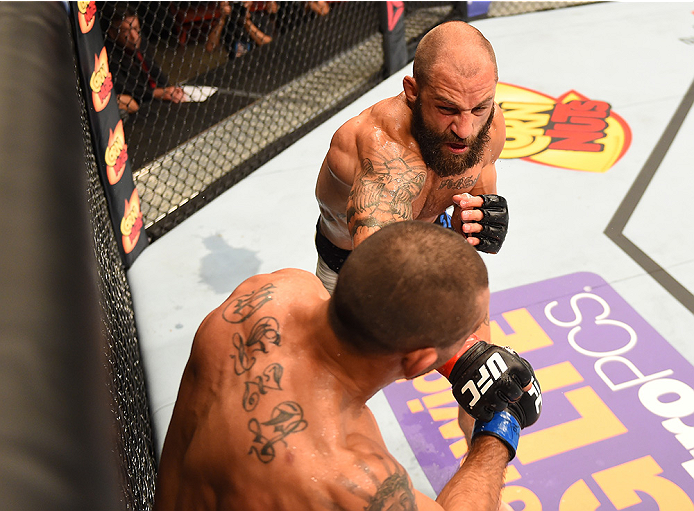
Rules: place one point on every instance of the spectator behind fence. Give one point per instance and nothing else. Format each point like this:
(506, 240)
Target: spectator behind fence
(137, 77)
(243, 26)
(320, 8)
(292, 15)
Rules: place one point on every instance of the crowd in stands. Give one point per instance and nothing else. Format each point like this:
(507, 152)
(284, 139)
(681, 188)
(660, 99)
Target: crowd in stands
(234, 27)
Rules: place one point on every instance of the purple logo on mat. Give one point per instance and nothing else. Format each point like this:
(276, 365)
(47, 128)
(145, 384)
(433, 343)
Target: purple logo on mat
(617, 426)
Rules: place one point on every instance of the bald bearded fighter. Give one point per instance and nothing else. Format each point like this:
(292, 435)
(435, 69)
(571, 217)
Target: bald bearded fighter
(271, 412)
(414, 155)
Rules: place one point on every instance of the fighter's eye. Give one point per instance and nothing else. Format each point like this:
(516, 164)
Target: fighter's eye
(447, 110)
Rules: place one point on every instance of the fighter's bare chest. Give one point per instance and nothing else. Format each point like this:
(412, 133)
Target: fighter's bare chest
(437, 194)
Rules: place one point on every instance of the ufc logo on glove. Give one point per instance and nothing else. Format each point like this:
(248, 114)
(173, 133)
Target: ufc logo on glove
(489, 372)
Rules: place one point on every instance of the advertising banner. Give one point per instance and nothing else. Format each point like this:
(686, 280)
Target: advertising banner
(110, 148)
(617, 426)
(571, 132)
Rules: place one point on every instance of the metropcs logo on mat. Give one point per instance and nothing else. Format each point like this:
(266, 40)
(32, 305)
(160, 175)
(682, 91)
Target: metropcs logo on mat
(571, 131)
(617, 423)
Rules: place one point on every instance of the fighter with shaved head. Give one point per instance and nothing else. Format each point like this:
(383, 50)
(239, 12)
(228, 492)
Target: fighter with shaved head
(414, 155)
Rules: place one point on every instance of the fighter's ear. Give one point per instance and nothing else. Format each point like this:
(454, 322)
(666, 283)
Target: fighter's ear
(409, 85)
(418, 362)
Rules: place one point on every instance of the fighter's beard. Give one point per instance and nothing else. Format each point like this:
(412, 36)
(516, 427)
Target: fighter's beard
(431, 144)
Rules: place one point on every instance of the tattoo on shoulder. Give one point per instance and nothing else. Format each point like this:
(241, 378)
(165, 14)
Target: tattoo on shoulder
(384, 190)
(260, 385)
(264, 332)
(285, 419)
(241, 308)
(394, 491)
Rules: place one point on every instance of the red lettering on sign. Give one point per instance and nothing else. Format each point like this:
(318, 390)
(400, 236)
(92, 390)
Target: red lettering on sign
(562, 111)
(577, 125)
(395, 10)
(90, 12)
(136, 228)
(575, 140)
(106, 88)
(582, 124)
(120, 162)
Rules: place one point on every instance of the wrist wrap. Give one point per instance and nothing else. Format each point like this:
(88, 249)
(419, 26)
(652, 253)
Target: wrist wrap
(446, 368)
(504, 426)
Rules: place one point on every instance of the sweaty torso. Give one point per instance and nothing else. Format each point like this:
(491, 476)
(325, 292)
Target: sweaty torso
(260, 423)
(376, 150)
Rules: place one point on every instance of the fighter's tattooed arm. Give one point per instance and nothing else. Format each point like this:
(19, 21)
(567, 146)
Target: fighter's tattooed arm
(383, 192)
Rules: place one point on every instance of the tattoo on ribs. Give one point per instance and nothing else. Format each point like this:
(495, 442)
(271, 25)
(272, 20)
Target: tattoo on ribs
(286, 418)
(241, 308)
(265, 331)
(383, 192)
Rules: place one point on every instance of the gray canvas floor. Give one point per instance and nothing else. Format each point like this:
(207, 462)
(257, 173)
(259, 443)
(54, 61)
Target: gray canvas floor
(638, 57)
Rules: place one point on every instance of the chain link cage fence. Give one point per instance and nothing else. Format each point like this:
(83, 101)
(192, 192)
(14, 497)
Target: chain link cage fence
(275, 70)
(134, 440)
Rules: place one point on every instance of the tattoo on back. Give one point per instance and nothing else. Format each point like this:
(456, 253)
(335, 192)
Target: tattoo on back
(286, 418)
(269, 380)
(393, 492)
(241, 308)
(265, 331)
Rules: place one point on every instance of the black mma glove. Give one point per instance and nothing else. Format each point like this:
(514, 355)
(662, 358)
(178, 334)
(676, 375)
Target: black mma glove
(527, 409)
(494, 224)
(506, 425)
(485, 378)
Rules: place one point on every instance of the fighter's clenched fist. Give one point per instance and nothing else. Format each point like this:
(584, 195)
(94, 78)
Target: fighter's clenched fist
(486, 222)
(485, 378)
(497, 388)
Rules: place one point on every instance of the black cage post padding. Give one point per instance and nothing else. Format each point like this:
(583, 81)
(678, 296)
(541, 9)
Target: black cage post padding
(392, 20)
(56, 441)
(108, 133)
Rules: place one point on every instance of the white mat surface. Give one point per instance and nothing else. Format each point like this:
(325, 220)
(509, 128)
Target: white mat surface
(632, 55)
